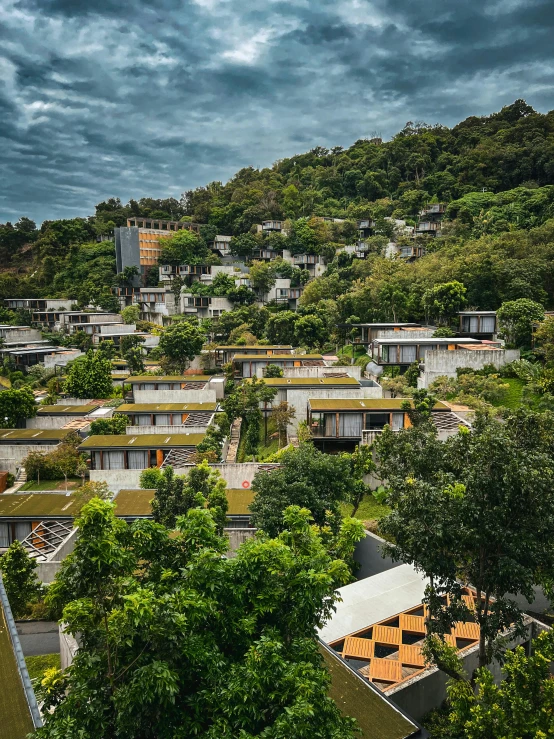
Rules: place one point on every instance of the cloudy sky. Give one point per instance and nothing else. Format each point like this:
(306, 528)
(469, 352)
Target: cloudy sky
(134, 98)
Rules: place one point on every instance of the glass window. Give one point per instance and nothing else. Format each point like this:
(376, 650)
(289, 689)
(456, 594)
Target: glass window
(376, 420)
(488, 324)
(385, 353)
(350, 424)
(138, 459)
(408, 354)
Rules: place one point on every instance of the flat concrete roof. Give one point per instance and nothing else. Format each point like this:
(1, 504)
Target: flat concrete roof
(243, 347)
(378, 325)
(165, 407)
(65, 410)
(32, 436)
(374, 599)
(365, 404)
(142, 441)
(476, 312)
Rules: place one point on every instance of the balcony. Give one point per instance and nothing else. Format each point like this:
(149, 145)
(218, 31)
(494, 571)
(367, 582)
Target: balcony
(428, 227)
(272, 225)
(435, 209)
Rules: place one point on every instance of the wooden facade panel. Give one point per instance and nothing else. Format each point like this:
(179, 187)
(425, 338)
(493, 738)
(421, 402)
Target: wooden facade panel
(415, 624)
(410, 654)
(387, 635)
(356, 647)
(385, 669)
(466, 630)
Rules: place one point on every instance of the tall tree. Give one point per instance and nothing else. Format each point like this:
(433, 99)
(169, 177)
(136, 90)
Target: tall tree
(476, 509)
(16, 406)
(20, 579)
(516, 319)
(180, 343)
(176, 640)
(90, 377)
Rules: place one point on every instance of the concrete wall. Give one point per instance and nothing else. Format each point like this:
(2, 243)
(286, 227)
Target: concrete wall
(424, 333)
(174, 396)
(51, 360)
(127, 253)
(12, 456)
(218, 385)
(439, 362)
(46, 571)
(38, 637)
(118, 328)
(30, 334)
(234, 475)
(237, 537)
(368, 554)
(426, 691)
(48, 422)
(68, 647)
(180, 429)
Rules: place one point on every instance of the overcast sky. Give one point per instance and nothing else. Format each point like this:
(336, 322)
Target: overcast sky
(135, 98)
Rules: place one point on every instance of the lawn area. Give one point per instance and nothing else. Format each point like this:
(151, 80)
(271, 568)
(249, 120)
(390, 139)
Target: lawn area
(369, 510)
(37, 666)
(58, 485)
(264, 451)
(513, 397)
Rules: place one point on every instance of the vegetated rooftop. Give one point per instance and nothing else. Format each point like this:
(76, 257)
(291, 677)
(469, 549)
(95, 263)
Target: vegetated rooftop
(38, 505)
(15, 716)
(137, 502)
(365, 404)
(310, 381)
(378, 719)
(165, 407)
(66, 410)
(33, 435)
(253, 357)
(168, 378)
(141, 441)
(269, 347)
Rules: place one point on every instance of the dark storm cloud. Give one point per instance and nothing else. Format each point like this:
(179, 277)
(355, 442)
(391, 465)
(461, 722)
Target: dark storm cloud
(152, 97)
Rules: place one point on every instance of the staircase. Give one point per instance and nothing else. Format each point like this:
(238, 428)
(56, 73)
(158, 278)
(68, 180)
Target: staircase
(21, 476)
(234, 441)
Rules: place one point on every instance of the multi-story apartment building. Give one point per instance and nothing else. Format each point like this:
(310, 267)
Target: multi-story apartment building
(430, 220)
(138, 243)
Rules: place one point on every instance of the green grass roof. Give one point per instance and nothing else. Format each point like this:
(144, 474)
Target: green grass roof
(310, 381)
(268, 347)
(15, 717)
(377, 718)
(66, 410)
(364, 404)
(168, 378)
(245, 357)
(31, 436)
(37, 505)
(142, 441)
(165, 407)
(137, 502)
(134, 502)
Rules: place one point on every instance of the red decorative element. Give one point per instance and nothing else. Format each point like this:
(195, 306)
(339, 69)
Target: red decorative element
(246, 484)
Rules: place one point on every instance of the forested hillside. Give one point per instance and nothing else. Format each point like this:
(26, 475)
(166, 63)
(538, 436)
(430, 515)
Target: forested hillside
(496, 173)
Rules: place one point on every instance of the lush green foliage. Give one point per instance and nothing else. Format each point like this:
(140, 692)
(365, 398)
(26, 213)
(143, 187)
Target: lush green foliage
(178, 641)
(20, 580)
(90, 377)
(180, 343)
(106, 426)
(478, 508)
(15, 406)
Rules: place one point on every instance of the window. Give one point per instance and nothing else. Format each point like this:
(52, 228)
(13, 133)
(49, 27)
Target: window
(376, 420)
(397, 421)
(408, 354)
(114, 461)
(488, 324)
(137, 459)
(350, 424)
(385, 353)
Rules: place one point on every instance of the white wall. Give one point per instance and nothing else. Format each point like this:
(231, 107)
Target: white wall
(51, 360)
(118, 328)
(424, 333)
(30, 334)
(12, 456)
(179, 429)
(174, 396)
(50, 422)
(439, 363)
(233, 474)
